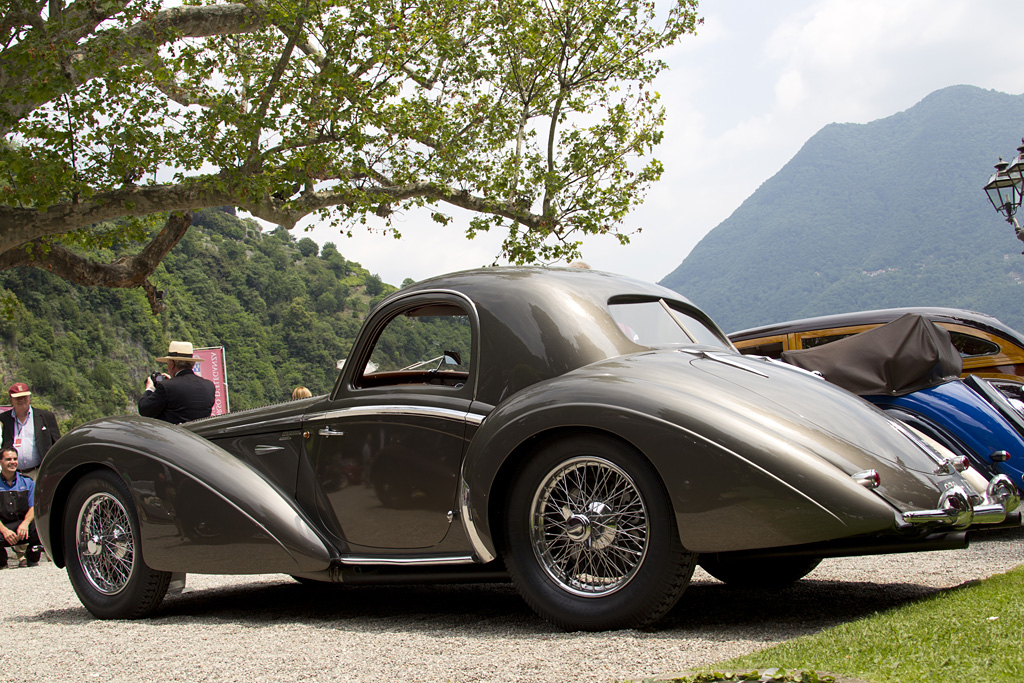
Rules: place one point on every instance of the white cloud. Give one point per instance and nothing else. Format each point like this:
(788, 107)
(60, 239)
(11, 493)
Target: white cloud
(790, 91)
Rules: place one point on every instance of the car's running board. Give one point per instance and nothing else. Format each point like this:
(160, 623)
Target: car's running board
(339, 572)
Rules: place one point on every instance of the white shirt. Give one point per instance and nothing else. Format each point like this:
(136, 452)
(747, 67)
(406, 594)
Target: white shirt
(25, 442)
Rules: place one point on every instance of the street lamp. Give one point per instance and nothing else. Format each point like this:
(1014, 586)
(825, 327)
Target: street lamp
(1006, 187)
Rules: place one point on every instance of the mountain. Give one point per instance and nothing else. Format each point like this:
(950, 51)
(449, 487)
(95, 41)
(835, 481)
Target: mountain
(888, 213)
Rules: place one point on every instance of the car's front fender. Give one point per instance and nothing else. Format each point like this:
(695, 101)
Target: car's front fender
(200, 509)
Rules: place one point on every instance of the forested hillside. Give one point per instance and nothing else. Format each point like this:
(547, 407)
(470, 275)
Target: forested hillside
(889, 213)
(284, 310)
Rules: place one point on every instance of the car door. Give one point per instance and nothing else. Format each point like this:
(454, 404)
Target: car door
(387, 451)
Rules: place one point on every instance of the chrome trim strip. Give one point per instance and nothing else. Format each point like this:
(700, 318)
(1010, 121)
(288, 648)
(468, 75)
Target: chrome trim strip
(263, 425)
(723, 358)
(414, 411)
(480, 549)
(407, 560)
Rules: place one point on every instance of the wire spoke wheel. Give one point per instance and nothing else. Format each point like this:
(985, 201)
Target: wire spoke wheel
(589, 526)
(590, 539)
(105, 543)
(102, 543)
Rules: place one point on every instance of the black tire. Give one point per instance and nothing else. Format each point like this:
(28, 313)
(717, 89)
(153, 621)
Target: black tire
(777, 572)
(104, 558)
(591, 539)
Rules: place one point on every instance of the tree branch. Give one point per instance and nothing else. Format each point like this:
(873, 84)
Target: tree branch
(19, 225)
(270, 89)
(139, 43)
(129, 272)
(17, 18)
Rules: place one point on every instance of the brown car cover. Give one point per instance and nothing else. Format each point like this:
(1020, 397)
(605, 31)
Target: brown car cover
(906, 355)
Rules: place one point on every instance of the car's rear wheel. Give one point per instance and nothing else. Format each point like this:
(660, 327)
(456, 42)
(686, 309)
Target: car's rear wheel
(101, 544)
(591, 540)
(776, 572)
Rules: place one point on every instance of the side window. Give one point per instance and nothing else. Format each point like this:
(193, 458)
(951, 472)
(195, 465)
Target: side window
(429, 344)
(811, 342)
(969, 345)
(772, 350)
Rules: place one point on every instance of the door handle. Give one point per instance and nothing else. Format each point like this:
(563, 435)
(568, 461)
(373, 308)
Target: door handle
(327, 431)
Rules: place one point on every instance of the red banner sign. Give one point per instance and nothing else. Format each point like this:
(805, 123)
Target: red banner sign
(213, 367)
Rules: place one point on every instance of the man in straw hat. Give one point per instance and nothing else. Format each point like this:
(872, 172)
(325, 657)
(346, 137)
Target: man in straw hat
(183, 395)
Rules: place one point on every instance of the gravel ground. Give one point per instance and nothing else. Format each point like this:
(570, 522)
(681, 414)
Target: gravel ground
(270, 628)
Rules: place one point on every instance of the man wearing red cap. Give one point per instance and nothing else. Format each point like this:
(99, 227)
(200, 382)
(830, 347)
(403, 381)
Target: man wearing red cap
(30, 431)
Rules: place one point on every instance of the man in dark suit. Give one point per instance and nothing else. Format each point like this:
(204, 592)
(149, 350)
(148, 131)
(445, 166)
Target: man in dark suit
(183, 395)
(30, 431)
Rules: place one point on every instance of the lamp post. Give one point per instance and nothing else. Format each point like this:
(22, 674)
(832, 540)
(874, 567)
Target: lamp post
(1006, 187)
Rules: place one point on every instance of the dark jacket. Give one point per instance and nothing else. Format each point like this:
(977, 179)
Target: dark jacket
(46, 429)
(182, 398)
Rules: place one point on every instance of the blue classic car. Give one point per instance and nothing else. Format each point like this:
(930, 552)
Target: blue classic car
(910, 369)
(588, 436)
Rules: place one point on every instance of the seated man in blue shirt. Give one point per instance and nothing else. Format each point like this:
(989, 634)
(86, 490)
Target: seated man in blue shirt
(17, 514)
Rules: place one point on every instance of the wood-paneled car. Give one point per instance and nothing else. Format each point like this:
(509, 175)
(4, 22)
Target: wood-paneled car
(589, 436)
(989, 348)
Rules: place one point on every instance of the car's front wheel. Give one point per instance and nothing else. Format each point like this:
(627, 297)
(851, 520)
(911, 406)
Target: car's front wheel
(591, 540)
(101, 544)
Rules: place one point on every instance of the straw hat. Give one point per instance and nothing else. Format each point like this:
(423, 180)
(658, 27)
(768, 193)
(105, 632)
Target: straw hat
(178, 350)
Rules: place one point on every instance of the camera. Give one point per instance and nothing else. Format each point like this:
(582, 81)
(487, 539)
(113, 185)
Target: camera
(157, 377)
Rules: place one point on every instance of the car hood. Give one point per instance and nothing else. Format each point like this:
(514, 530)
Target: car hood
(760, 408)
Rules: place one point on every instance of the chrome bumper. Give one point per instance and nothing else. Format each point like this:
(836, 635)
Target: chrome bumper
(955, 508)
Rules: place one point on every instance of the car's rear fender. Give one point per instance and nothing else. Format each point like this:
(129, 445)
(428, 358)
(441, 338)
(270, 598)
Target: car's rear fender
(200, 509)
(725, 495)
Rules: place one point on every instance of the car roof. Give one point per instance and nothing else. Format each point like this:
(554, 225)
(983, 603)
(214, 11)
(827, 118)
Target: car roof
(541, 322)
(482, 284)
(935, 314)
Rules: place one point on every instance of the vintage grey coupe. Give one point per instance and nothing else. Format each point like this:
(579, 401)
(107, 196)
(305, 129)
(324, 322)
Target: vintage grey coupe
(589, 436)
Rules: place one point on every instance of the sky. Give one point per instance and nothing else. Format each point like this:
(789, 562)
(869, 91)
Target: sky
(742, 97)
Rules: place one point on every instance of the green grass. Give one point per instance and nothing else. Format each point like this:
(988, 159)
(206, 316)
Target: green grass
(974, 633)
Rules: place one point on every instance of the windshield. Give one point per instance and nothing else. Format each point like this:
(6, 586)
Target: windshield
(658, 323)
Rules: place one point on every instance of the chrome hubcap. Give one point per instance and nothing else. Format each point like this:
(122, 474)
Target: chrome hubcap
(106, 548)
(589, 526)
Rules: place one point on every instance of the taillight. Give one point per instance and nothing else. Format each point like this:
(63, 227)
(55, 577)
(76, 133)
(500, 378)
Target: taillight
(869, 479)
(999, 456)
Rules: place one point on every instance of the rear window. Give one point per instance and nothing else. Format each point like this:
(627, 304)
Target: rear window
(659, 323)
